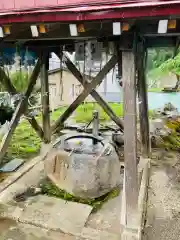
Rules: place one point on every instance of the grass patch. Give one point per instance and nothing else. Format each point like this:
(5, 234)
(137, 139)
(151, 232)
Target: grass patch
(157, 90)
(49, 189)
(24, 143)
(83, 113)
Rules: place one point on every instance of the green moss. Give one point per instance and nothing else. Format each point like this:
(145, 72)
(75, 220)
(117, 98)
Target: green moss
(48, 188)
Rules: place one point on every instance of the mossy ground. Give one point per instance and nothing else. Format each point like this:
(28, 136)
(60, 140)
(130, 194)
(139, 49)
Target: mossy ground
(50, 189)
(172, 141)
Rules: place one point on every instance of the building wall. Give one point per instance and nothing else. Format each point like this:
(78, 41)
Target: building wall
(168, 80)
(64, 92)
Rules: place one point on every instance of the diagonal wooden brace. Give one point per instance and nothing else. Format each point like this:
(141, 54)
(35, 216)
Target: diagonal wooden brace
(5, 80)
(21, 108)
(94, 94)
(87, 90)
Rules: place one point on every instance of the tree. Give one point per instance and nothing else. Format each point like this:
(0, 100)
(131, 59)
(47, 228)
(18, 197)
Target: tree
(172, 65)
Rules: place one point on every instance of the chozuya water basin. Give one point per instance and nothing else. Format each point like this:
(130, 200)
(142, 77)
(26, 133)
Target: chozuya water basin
(83, 165)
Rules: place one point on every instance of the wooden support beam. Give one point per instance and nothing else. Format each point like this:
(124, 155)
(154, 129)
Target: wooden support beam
(45, 96)
(72, 68)
(21, 108)
(87, 90)
(119, 54)
(5, 80)
(36, 127)
(94, 93)
(143, 99)
(130, 138)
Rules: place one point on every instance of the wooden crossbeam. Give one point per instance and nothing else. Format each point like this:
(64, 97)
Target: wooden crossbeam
(5, 80)
(72, 68)
(87, 90)
(21, 108)
(45, 96)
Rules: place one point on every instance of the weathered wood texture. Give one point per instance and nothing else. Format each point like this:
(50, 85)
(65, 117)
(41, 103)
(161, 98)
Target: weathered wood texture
(36, 127)
(130, 138)
(72, 68)
(143, 99)
(21, 108)
(5, 80)
(45, 97)
(119, 54)
(94, 94)
(87, 90)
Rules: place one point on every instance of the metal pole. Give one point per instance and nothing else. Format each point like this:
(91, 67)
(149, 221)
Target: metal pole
(95, 124)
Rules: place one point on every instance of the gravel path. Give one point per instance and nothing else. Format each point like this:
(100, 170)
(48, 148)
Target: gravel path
(163, 215)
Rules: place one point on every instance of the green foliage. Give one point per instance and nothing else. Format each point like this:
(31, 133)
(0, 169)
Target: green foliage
(20, 80)
(157, 56)
(171, 65)
(84, 112)
(48, 188)
(24, 143)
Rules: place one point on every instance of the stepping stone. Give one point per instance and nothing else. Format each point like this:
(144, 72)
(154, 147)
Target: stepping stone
(12, 166)
(56, 214)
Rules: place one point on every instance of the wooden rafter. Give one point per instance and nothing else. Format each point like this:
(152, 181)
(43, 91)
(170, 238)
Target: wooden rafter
(87, 90)
(21, 108)
(72, 68)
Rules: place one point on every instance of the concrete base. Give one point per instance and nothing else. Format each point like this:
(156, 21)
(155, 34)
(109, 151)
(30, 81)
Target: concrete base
(105, 224)
(135, 233)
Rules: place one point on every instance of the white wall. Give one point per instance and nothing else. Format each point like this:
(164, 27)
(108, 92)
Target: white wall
(109, 84)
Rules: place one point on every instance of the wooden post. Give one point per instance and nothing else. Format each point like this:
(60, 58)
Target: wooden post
(143, 99)
(21, 108)
(87, 90)
(45, 96)
(130, 139)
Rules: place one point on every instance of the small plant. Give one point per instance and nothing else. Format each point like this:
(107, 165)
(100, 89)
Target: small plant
(50, 189)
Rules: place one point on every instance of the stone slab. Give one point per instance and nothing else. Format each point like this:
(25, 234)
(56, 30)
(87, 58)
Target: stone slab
(29, 179)
(12, 166)
(94, 234)
(11, 230)
(56, 214)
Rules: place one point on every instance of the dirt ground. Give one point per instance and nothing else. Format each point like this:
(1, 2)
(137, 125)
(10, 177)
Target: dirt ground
(163, 212)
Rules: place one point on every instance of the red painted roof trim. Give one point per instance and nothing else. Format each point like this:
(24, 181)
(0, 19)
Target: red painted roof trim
(60, 15)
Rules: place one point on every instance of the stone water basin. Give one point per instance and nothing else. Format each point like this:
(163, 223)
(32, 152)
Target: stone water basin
(83, 165)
